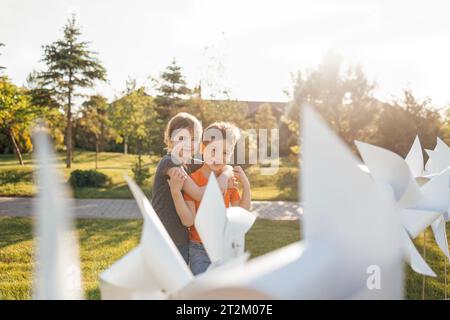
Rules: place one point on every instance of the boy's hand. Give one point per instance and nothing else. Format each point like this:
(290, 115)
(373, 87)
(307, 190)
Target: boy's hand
(241, 176)
(177, 178)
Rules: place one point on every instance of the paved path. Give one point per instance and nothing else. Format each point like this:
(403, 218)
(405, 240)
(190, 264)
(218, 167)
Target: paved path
(127, 208)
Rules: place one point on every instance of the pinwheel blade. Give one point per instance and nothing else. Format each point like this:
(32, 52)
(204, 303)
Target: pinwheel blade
(440, 235)
(414, 259)
(414, 158)
(389, 168)
(210, 220)
(439, 158)
(57, 272)
(163, 260)
(435, 193)
(415, 221)
(240, 219)
(128, 278)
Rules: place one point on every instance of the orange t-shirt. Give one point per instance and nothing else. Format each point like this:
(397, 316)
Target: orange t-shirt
(230, 196)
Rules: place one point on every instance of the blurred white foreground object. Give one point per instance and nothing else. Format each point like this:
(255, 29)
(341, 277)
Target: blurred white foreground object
(439, 158)
(152, 270)
(57, 271)
(221, 229)
(419, 207)
(352, 236)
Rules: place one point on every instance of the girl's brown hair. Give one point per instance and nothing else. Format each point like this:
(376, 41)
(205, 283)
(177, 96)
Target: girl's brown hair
(227, 131)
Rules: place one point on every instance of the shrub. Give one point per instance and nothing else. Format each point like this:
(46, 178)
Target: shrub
(288, 179)
(88, 178)
(140, 174)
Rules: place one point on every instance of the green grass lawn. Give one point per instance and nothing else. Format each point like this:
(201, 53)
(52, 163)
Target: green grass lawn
(104, 241)
(101, 243)
(16, 180)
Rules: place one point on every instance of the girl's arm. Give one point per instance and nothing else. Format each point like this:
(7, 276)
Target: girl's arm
(246, 197)
(196, 192)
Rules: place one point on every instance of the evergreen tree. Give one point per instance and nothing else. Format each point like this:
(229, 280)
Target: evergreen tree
(70, 66)
(172, 89)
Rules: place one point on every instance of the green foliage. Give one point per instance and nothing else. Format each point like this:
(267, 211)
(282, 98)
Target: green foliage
(88, 178)
(264, 118)
(140, 174)
(16, 114)
(401, 120)
(171, 86)
(133, 117)
(288, 180)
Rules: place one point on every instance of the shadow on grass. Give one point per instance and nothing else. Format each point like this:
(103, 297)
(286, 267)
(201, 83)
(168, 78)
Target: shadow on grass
(105, 233)
(15, 230)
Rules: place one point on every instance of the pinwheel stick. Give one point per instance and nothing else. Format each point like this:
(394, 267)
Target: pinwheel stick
(424, 257)
(445, 277)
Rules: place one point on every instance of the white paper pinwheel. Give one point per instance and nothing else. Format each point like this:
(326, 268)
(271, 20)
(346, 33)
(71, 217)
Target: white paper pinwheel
(419, 207)
(351, 229)
(221, 229)
(439, 158)
(154, 269)
(57, 269)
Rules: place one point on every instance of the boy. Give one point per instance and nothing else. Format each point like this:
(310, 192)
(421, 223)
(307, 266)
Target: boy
(182, 139)
(219, 140)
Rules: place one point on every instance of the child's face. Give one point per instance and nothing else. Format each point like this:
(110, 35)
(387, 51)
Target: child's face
(217, 154)
(184, 144)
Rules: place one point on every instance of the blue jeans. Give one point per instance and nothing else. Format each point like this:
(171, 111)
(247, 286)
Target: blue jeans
(198, 258)
(184, 250)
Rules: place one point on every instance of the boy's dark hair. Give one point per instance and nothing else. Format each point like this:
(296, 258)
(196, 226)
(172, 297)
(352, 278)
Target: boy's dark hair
(182, 120)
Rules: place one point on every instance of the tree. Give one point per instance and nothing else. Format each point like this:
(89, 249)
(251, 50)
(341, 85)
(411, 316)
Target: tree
(16, 112)
(400, 121)
(345, 100)
(70, 67)
(446, 127)
(132, 117)
(264, 118)
(172, 89)
(95, 121)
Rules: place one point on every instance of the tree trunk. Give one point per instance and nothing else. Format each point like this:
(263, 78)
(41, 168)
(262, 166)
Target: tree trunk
(16, 147)
(96, 153)
(69, 129)
(125, 145)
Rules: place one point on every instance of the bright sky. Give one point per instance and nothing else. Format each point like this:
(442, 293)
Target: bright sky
(248, 47)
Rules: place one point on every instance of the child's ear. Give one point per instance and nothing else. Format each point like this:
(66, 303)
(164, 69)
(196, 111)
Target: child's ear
(202, 147)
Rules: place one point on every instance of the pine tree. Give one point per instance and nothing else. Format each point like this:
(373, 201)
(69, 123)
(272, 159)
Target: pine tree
(172, 88)
(70, 66)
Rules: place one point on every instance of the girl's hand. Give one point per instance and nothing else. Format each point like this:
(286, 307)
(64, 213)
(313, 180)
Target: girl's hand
(241, 176)
(177, 178)
(232, 182)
